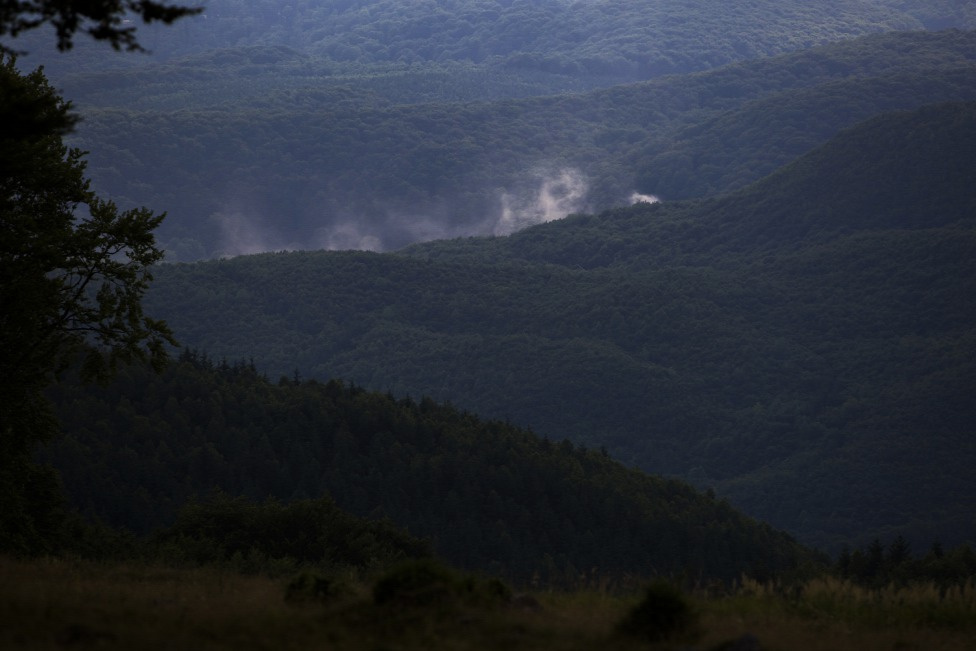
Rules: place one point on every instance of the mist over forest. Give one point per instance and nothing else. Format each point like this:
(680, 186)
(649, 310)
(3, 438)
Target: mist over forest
(374, 125)
(508, 273)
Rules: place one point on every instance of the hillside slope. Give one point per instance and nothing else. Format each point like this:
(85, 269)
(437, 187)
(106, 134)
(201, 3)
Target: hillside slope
(785, 344)
(626, 37)
(352, 167)
(744, 144)
(905, 172)
(488, 495)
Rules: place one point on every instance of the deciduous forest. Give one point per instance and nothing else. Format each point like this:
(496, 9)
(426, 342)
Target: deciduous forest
(488, 324)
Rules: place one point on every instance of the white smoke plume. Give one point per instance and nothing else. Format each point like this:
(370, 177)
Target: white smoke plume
(547, 194)
(346, 236)
(240, 235)
(637, 197)
(557, 196)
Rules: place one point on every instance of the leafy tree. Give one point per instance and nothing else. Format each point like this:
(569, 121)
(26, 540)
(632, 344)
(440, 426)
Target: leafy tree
(103, 20)
(73, 270)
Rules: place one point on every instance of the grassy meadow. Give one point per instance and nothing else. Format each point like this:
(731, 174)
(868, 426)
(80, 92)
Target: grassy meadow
(56, 604)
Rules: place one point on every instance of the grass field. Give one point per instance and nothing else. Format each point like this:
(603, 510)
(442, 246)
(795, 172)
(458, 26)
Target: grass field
(57, 604)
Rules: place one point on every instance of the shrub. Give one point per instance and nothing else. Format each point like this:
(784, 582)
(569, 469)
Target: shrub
(421, 582)
(662, 614)
(426, 582)
(310, 587)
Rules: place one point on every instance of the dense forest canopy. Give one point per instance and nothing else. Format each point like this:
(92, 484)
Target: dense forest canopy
(633, 38)
(487, 495)
(791, 328)
(296, 159)
(784, 344)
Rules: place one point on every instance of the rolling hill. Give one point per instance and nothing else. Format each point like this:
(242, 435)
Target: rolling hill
(804, 345)
(625, 38)
(351, 166)
(486, 495)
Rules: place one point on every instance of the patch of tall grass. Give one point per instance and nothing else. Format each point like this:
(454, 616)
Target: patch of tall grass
(829, 598)
(53, 604)
(830, 614)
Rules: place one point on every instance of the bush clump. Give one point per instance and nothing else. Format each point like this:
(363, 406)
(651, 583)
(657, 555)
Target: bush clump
(426, 582)
(662, 614)
(310, 587)
(420, 583)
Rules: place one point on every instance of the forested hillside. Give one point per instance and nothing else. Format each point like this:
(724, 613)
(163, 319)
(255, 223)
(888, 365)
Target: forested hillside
(344, 163)
(488, 495)
(625, 37)
(805, 346)
(576, 296)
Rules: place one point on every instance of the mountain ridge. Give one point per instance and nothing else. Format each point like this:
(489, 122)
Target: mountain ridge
(637, 39)
(853, 182)
(665, 334)
(334, 173)
(488, 496)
